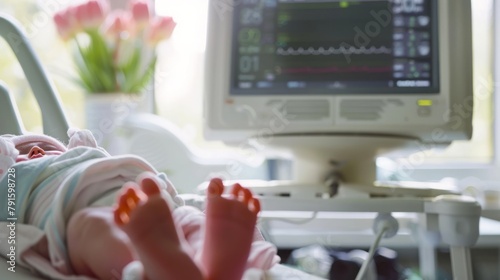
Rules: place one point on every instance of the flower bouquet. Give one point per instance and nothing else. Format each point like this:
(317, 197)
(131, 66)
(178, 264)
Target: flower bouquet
(113, 51)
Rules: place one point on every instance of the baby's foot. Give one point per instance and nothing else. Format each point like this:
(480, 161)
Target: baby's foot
(147, 219)
(229, 231)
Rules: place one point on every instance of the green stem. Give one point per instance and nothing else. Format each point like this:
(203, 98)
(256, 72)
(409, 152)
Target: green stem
(115, 60)
(84, 68)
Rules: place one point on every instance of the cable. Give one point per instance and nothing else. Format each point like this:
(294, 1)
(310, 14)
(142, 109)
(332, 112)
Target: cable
(265, 230)
(295, 221)
(265, 227)
(371, 252)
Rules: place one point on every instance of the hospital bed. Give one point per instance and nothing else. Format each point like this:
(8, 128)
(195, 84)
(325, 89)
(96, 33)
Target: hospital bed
(55, 124)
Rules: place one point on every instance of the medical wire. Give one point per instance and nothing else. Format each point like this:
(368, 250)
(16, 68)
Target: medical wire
(296, 221)
(265, 227)
(371, 252)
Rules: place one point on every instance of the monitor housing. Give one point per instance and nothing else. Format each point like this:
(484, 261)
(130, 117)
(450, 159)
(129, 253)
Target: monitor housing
(337, 80)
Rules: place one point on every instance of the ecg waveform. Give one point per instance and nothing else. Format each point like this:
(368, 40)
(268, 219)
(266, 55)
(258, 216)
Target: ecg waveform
(333, 51)
(323, 70)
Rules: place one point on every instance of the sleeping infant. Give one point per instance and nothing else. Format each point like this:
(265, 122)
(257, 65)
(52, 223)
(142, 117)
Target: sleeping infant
(144, 231)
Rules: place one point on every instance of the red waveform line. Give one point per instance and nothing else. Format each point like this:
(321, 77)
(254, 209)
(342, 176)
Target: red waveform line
(334, 69)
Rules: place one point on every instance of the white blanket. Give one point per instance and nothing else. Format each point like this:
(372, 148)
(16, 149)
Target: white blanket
(50, 190)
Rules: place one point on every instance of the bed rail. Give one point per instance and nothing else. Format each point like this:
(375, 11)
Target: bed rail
(10, 122)
(54, 120)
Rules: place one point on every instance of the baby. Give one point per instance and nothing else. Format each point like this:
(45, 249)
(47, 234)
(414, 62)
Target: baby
(147, 228)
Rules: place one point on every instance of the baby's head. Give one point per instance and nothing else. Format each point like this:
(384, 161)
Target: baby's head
(32, 146)
(36, 146)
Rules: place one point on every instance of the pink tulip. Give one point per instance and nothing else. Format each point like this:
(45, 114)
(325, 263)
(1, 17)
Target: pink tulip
(65, 23)
(161, 29)
(140, 12)
(117, 23)
(90, 14)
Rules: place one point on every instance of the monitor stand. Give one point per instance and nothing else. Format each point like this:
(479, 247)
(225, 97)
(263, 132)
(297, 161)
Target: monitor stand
(345, 164)
(354, 167)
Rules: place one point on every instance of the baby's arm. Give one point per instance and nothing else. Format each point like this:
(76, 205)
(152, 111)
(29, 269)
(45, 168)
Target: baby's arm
(8, 155)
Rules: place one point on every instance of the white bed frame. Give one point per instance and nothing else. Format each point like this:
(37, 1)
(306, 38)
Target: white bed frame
(54, 120)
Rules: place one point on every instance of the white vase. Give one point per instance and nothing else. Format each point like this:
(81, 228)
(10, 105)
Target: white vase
(105, 111)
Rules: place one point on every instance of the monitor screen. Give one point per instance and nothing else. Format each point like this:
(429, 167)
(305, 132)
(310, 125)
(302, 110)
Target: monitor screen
(301, 47)
(364, 67)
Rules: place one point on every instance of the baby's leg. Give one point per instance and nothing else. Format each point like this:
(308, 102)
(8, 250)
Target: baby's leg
(146, 217)
(192, 224)
(191, 221)
(229, 231)
(97, 246)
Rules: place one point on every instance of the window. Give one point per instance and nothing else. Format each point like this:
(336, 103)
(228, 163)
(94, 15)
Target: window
(179, 76)
(180, 72)
(483, 149)
(463, 159)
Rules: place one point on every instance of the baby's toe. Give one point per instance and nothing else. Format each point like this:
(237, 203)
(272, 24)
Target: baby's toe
(150, 187)
(127, 202)
(215, 187)
(244, 195)
(121, 216)
(254, 205)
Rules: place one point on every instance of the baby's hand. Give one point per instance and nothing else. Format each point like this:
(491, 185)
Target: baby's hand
(8, 155)
(81, 137)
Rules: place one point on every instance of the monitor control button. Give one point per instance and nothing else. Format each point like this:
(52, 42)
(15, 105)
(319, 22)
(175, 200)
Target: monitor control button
(424, 111)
